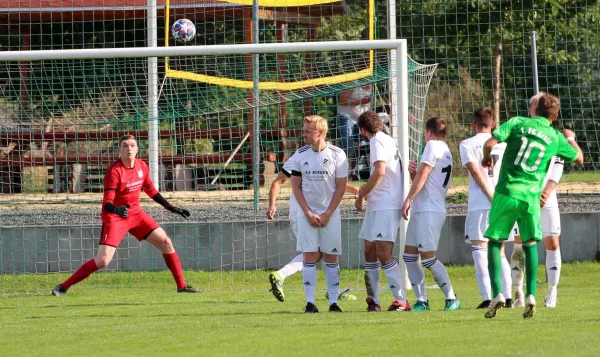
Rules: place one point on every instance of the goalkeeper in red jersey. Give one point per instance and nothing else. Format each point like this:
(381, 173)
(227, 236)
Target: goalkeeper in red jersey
(121, 213)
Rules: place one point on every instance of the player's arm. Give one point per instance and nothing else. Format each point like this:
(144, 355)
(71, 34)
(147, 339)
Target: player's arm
(480, 179)
(350, 188)
(553, 180)
(469, 160)
(374, 180)
(153, 193)
(281, 178)
(417, 185)
(338, 195)
(341, 179)
(111, 182)
(569, 137)
(296, 181)
(487, 160)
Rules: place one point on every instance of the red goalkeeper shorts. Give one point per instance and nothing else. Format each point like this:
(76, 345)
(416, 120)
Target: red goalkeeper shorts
(114, 228)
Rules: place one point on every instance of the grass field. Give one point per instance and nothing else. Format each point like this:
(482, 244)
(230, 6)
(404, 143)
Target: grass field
(152, 320)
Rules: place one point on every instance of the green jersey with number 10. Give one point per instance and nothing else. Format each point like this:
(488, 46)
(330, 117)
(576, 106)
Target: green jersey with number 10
(530, 145)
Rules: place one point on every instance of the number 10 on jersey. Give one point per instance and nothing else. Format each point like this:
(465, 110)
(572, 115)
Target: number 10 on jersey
(525, 152)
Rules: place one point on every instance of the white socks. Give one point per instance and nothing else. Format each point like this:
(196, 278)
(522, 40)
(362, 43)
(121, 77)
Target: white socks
(392, 273)
(482, 274)
(440, 274)
(292, 267)
(416, 275)
(372, 280)
(553, 267)
(332, 275)
(309, 277)
(506, 277)
(517, 262)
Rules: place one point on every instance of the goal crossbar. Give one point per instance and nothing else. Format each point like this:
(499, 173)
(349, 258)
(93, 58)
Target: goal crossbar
(138, 52)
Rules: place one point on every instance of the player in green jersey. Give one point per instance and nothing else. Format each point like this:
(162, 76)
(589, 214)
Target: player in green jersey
(531, 144)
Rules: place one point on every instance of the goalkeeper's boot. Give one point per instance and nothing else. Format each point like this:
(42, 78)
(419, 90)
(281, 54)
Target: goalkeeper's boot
(344, 295)
(372, 306)
(59, 290)
(484, 304)
(421, 306)
(187, 289)
(452, 304)
(310, 308)
(497, 303)
(277, 286)
(399, 306)
(529, 309)
(334, 308)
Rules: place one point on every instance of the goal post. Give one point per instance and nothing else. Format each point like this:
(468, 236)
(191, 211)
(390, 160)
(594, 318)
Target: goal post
(46, 232)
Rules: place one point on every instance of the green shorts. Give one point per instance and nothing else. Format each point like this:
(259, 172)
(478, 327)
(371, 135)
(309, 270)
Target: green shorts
(506, 211)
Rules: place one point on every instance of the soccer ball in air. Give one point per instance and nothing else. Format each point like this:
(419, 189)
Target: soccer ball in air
(183, 30)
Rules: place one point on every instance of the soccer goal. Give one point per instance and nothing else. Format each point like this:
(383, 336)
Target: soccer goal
(214, 123)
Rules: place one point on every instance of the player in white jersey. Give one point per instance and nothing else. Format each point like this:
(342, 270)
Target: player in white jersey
(481, 190)
(428, 190)
(384, 191)
(550, 222)
(295, 265)
(319, 177)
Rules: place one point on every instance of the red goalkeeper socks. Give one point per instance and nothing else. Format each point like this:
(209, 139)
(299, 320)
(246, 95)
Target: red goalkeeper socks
(85, 270)
(174, 265)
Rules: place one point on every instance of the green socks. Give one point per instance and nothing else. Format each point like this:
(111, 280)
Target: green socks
(531, 267)
(495, 266)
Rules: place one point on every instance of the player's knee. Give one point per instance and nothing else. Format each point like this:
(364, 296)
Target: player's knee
(409, 249)
(166, 245)
(427, 255)
(102, 262)
(551, 243)
(384, 257)
(370, 252)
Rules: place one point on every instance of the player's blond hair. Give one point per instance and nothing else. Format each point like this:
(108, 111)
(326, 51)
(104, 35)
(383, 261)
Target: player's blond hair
(320, 121)
(536, 97)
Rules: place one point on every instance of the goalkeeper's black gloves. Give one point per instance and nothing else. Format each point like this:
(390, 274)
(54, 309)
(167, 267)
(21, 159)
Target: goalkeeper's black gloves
(180, 211)
(120, 211)
(158, 198)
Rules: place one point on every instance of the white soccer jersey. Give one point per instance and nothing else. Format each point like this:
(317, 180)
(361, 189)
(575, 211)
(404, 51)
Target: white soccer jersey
(287, 170)
(471, 150)
(432, 197)
(388, 194)
(555, 171)
(319, 170)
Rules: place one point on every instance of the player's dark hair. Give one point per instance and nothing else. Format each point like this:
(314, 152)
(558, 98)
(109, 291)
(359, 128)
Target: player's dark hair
(483, 117)
(126, 137)
(370, 121)
(438, 126)
(548, 106)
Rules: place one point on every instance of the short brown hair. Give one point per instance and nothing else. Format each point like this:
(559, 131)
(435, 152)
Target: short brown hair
(548, 106)
(483, 117)
(438, 126)
(370, 121)
(126, 137)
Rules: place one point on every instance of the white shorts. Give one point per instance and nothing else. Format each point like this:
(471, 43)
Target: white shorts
(476, 224)
(381, 225)
(424, 229)
(550, 223)
(326, 239)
